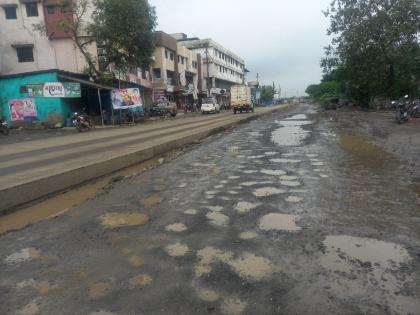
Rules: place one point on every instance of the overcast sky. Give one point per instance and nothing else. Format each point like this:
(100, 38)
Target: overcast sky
(282, 40)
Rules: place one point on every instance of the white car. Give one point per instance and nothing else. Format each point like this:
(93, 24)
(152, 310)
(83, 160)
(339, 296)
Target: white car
(209, 105)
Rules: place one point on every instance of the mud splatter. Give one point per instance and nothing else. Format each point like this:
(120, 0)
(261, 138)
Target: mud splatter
(270, 153)
(115, 219)
(191, 211)
(245, 207)
(135, 261)
(214, 208)
(290, 183)
(249, 184)
(151, 201)
(207, 295)
(273, 172)
(250, 172)
(140, 280)
(268, 191)
(233, 306)
(234, 177)
(292, 161)
(102, 312)
(217, 218)
(247, 265)
(294, 199)
(177, 249)
(99, 290)
(249, 235)
(279, 221)
(286, 177)
(318, 163)
(254, 157)
(31, 308)
(24, 255)
(176, 227)
(43, 287)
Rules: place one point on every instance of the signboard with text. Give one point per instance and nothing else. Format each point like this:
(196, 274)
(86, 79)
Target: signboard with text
(55, 90)
(126, 98)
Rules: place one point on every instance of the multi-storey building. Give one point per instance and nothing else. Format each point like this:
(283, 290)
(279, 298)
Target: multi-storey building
(24, 49)
(48, 54)
(221, 68)
(175, 71)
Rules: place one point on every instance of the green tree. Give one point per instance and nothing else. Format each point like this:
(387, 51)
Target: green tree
(125, 29)
(267, 93)
(374, 43)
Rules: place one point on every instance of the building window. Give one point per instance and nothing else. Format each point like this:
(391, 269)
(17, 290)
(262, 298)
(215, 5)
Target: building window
(31, 9)
(156, 73)
(10, 13)
(25, 54)
(166, 54)
(50, 9)
(171, 56)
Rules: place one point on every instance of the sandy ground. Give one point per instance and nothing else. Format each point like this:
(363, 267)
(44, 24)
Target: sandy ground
(296, 213)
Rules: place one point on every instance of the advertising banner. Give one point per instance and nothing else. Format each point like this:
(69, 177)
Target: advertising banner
(126, 98)
(19, 109)
(55, 90)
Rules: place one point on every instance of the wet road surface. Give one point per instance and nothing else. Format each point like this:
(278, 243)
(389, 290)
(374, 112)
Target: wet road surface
(283, 215)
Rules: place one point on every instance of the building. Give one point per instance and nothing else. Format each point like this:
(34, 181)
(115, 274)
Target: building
(30, 57)
(24, 49)
(175, 71)
(221, 68)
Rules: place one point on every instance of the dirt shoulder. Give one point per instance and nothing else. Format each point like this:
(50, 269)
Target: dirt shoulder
(381, 128)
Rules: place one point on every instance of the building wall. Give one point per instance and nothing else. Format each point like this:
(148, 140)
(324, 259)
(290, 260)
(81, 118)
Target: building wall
(223, 65)
(48, 53)
(10, 89)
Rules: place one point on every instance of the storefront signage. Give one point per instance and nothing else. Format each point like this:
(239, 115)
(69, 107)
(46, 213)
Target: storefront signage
(126, 98)
(55, 90)
(21, 108)
(159, 96)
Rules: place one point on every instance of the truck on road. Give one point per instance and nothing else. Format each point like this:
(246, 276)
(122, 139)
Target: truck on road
(241, 99)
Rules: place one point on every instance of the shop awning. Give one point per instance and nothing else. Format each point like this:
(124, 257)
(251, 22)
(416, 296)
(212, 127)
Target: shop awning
(85, 82)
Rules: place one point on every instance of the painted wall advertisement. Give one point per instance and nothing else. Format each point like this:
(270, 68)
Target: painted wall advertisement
(19, 109)
(55, 90)
(126, 98)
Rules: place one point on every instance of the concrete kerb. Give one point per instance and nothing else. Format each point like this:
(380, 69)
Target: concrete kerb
(14, 197)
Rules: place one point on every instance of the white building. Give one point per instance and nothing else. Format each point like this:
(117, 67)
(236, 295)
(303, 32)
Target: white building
(23, 49)
(221, 68)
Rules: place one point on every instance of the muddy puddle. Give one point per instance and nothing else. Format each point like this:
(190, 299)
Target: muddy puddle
(233, 306)
(367, 154)
(59, 204)
(291, 132)
(176, 227)
(114, 219)
(279, 222)
(217, 218)
(247, 265)
(361, 266)
(177, 249)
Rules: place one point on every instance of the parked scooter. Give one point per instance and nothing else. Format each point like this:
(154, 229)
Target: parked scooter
(82, 122)
(4, 128)
(402, 110)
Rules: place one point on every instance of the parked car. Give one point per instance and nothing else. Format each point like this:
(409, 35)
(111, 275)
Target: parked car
(163, 109)
(209, 105)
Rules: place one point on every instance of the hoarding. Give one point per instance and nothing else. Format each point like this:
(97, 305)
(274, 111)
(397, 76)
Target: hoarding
(126, 98)
(55, 90)
(21, 108)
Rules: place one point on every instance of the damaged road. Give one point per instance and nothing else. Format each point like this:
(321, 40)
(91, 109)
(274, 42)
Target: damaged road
(293, 213)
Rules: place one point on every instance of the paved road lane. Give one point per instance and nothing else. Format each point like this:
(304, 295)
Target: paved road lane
(283, 215)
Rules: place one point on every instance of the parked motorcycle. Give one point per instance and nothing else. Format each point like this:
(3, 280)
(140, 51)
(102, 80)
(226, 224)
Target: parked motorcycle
(4, 128)
(82, 122)
(402, 110)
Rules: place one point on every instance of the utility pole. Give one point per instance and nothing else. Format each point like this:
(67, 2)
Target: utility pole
(258, 79)
(208, 72)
